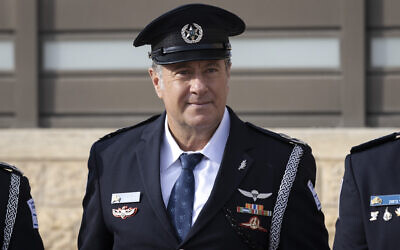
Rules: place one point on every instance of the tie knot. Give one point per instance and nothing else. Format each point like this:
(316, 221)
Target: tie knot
(189, 161)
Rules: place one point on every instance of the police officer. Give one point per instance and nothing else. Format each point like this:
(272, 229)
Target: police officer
(17, 211)
(369, 208)
(196, 176)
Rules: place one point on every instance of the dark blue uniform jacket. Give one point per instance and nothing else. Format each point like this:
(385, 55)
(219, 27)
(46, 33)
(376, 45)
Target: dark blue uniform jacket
(372, 169)
(128, 161)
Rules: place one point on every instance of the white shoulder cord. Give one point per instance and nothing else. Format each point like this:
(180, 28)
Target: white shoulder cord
(12, 207)
(283, 196)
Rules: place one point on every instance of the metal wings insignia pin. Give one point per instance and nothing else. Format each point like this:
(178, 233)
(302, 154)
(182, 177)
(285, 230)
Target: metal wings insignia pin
(254, 194)
(124, 212)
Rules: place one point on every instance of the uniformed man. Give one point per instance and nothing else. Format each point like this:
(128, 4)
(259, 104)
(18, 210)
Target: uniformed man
(17, 211)
(369, 208)
(196, 176)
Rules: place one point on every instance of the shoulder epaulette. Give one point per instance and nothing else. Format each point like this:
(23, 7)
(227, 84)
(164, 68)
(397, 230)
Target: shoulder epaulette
(121, 130)
(279, 136)
(10, 168)
(375, 142)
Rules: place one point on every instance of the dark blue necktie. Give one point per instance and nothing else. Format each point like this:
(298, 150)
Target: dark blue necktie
(180, 204)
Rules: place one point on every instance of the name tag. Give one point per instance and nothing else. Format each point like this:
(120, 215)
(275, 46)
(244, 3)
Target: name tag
(129, 197)
(385, 200)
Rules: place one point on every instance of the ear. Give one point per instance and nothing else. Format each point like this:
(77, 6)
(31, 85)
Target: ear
(155, 78)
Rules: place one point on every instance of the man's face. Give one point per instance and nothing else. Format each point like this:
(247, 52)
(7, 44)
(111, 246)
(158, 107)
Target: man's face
(194, 93)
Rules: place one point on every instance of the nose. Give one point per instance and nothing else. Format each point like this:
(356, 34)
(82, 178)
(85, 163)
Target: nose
(198, 85)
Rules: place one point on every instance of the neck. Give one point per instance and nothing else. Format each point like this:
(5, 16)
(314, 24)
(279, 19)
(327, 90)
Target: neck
(191, 139)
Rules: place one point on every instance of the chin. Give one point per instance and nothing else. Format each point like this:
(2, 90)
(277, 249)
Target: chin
(204, 121)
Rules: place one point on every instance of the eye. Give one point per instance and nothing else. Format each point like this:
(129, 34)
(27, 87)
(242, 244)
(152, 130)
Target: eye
(211, 70)
(182, 72)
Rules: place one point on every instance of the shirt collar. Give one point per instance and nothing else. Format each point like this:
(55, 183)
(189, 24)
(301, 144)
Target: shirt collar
(213, 150)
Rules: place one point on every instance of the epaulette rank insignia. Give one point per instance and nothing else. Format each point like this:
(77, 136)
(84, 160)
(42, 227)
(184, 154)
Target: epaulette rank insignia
(295, 140)
(10, 168)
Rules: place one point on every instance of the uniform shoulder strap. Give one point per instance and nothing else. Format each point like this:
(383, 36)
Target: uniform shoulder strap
(121, 130)
(375, 142)
(10, 168)
(280, 136)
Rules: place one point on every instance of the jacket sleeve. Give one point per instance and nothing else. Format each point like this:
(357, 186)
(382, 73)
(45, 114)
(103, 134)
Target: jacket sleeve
(93, 233)
(25, 234)
(303, 224)
(350, 232)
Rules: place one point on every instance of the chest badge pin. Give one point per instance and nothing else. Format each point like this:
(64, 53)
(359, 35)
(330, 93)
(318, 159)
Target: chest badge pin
(124, 212)
(243, 165)
(254, 224)
(254, 194)
(115, 199)
(387, 215)
(397, 211)
(376, 200)
(374, 216)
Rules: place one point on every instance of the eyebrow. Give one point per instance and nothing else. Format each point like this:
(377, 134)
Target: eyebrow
(180, 65)
(212, 64)
(174, 67)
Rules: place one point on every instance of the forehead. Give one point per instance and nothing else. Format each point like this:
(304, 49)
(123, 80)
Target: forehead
(192, 64)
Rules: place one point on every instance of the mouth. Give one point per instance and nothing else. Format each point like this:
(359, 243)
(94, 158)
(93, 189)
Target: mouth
(199, 103)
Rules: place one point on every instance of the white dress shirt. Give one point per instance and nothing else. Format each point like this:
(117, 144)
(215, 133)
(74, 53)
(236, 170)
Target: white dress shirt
(204, 173)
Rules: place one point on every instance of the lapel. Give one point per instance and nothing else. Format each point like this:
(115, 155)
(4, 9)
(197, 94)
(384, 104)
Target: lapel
(229, 176)
(148, 155)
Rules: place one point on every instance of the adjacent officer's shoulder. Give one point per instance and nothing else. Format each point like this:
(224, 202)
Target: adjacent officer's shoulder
(10, 168)
(375, 143)
(123, 130)
(279, 136)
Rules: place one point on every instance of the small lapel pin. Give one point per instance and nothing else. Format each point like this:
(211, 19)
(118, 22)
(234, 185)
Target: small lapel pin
(124, 212)
(397, 211)
(387, 215)
(254, 194)
(374, 215)
(243, 165)
(254, 224)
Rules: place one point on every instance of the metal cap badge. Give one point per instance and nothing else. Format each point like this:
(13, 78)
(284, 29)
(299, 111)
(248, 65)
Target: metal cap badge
(192, 33)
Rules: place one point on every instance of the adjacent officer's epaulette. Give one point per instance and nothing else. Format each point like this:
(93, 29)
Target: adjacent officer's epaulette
(121, 130)
(279, 136)
(10, 168)
(375, 142)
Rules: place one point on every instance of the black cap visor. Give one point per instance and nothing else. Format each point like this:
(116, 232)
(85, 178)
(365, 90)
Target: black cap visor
(191, 55)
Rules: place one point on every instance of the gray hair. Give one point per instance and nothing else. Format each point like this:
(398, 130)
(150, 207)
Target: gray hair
(157, 68)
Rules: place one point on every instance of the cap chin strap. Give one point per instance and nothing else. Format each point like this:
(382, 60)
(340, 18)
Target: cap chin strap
(164, 51)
